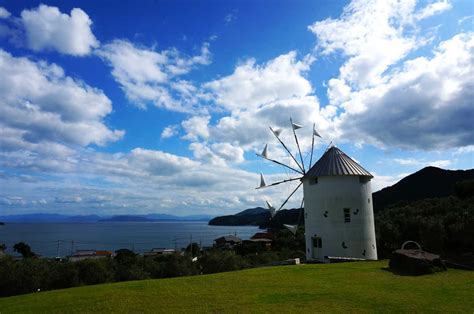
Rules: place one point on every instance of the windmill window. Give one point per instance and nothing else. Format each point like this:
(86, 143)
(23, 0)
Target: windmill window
(347, 215)
(368, 200)
(317, 242)
(313, 181)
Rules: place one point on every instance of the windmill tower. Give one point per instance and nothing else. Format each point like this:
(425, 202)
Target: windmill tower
(339, 218)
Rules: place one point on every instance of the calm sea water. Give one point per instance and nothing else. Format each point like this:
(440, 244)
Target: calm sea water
(49, 238)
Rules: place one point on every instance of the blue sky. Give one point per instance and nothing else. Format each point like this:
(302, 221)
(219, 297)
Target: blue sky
(116, 107)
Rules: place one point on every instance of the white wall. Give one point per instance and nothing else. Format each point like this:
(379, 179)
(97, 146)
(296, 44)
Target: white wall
(333, 194)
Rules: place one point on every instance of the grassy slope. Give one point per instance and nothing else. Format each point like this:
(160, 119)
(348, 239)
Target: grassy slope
(354, 287)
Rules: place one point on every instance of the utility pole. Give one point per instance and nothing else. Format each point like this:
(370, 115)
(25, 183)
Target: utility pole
(72, 247)
(57, 253)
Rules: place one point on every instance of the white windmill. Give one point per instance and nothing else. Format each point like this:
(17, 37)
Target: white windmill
(339, 218)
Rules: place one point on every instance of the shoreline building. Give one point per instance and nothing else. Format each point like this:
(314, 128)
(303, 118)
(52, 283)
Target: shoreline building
(339, 216)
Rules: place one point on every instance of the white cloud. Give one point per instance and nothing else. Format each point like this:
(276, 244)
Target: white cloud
(252, 85)
(425, 105)
(42, 108)
(4, 14)
(421, 162)
(150, 76)
(47, 28)
(202, 152)
(433, 9)
(379, 181)
(159, 163)
(196, 127)
(169, 131)
(371, 35)
(229, 152)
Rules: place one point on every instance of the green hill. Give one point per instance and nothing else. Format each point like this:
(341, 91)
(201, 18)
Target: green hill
(429, 182)
(347, 287)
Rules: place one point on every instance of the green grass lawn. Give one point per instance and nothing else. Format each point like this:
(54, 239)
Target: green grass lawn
(353, 287)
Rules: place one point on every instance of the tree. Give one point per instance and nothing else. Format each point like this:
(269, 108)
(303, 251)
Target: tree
(24, 249)
(3, 247)
(125, 257)
(193, 249)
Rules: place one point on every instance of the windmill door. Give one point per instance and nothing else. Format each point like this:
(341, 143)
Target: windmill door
(317, 247)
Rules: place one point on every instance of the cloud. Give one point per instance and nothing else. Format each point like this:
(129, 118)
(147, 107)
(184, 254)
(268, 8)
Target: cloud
(12, 200)
(42, 108)
(4, 14)
(196, 127)
(229, 152)
(229, 18)
(145, 181)
(279, 78)
(159, 163)
(371, 35)
(421, 162)
(169, 131)
(47, 28)
(428, 104)
(150, 76)
(433, 9)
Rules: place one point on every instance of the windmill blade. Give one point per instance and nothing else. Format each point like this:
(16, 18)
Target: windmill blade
(288, 198)
(271, 209)
(265, 151)
(316, 133)
(262, 182)
(276, 132)
(279, 163)
(312, 146)
(279, 182)
(286, 148)
(292, 228)
(296, 126)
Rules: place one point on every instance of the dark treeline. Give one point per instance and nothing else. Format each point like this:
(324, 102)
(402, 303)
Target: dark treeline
(31, 274)
(444, 226)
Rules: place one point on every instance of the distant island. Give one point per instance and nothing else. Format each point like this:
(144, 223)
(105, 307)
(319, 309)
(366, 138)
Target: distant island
(57, 218)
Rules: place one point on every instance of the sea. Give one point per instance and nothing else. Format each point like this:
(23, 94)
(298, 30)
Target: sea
(62, 239)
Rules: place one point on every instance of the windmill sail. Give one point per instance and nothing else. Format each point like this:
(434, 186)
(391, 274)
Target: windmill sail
(292, 228)
(262, 181)
(277, 132)
(265, 151)
(296, 126)
(315, 133)
(271, 209)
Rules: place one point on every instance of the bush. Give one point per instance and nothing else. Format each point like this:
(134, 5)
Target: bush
(216, 261)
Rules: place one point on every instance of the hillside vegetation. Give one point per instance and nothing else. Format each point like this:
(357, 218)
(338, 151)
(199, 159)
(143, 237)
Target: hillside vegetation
(348, 287)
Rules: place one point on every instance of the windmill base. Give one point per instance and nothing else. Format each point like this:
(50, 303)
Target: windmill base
(335, 259)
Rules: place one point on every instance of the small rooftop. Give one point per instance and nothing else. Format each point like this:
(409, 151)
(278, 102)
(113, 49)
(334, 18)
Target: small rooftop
(335, 162)
(229, 238)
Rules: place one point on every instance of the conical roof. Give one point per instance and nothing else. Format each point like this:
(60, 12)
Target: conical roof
(335, 162)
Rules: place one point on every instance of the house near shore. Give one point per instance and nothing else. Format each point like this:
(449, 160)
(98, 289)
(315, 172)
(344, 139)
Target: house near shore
(80, 255)
(227, 242)
(263, 238)
(159, 251)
